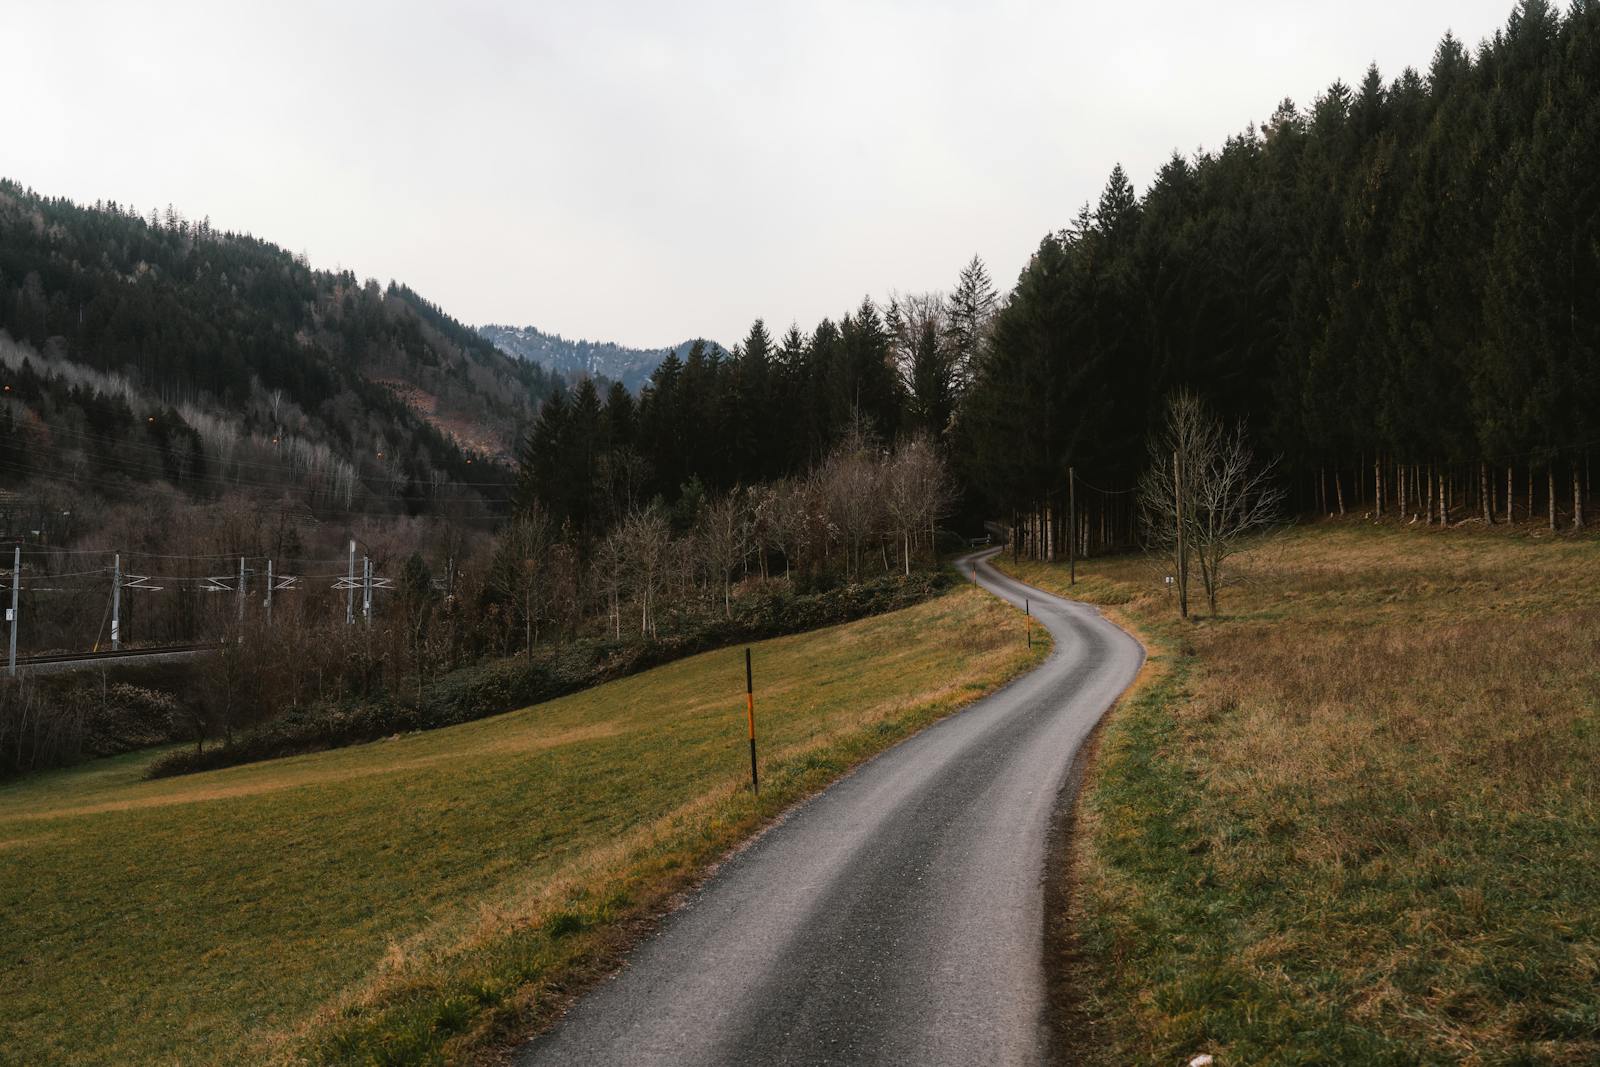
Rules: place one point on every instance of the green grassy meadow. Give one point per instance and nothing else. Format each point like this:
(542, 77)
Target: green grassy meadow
(429, 897)
(1355, 818)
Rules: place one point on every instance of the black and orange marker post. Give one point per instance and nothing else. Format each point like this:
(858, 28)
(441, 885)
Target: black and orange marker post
(750, 710)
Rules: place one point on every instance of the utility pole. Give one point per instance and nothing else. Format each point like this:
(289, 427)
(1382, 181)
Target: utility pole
(269, 593)
(350, 586)
(366, 589)
(241, 598)
(16, 585)
(1183, 559)
(116, 601)
(1072, 525)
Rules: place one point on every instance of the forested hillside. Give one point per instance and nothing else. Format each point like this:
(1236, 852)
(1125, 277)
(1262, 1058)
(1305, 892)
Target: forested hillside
(159, 348)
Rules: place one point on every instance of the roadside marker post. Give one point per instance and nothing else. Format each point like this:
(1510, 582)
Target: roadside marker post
(1027, 611)
(750, 711)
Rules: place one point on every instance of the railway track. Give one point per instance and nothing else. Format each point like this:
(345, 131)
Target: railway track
(59, 658)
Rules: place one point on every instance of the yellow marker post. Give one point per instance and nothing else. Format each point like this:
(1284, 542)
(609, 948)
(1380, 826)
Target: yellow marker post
(750, 710)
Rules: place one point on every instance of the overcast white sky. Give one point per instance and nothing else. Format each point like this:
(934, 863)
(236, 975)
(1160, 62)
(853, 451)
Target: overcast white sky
(646, 172)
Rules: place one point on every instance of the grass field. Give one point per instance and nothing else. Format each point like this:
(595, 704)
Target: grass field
(1356, 818)
(420, 899)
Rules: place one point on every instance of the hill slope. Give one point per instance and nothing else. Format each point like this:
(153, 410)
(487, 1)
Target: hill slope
(234, 351)
(431, 880)
(598, 359)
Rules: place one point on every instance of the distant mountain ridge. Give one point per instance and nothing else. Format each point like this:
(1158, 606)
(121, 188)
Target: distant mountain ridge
(600, 359)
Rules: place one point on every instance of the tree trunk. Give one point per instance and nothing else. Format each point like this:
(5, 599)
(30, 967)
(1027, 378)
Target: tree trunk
(1577, 499)
(1338, 489)
(1377, 488)
(1177, 512)
(1430, 496)
(1483, 491)
(1550, 474)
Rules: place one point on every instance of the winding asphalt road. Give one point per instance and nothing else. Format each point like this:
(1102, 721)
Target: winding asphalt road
(896, 918)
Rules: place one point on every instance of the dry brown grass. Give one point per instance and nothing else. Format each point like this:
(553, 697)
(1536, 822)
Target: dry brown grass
(417, 899)
(1360, 823)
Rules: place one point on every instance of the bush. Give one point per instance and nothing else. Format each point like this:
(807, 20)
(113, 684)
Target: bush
(502, 685)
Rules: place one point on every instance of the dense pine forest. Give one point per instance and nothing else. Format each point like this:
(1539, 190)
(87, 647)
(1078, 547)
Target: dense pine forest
(1396, 287)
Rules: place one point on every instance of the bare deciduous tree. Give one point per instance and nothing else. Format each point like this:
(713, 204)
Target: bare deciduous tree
(723, 534)
(1204, 483)
(607, 567)
(645, 541)
(850, 484)
(517, 572)
(917, 493)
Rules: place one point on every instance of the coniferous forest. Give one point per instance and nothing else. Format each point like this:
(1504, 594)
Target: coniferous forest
(1396, 286)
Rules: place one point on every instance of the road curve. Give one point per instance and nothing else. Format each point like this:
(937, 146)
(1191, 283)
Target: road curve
(897, 917)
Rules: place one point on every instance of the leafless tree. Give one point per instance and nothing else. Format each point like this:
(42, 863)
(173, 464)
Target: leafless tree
(916, 492)
(850, 485)
(645, 540)
(723, 534)
(1205, 483)
(791, 519)
(925, 357)
(606, 570)
(517, 572)
(761, 501)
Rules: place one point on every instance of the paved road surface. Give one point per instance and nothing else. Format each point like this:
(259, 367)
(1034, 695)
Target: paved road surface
(897, 918)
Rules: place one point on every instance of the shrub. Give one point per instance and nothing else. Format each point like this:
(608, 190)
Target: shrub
(502, 685)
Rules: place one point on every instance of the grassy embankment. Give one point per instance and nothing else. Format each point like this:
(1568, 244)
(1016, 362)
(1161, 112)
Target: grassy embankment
(1355, 819)
(419, 899)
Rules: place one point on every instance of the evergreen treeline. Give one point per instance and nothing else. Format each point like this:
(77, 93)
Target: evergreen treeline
(1399, 288)
(774, 407)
